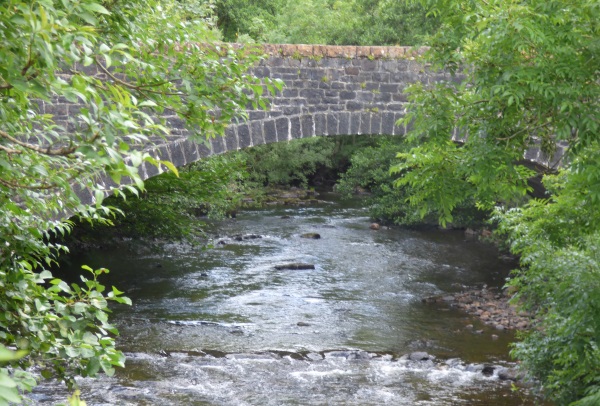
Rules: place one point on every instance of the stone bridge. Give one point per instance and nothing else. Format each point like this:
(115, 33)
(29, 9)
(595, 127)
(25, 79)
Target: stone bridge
(329, 90)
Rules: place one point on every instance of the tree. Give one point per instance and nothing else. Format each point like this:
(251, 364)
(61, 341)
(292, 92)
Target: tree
(530, 79)
(355, 22)
(121, 65)
(250, 17)
(390, 22)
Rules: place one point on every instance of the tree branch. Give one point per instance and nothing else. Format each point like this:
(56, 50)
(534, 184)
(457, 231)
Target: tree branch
(15, 185)
(134, 87)
(522, 131)
(46, 151)
(9, 150)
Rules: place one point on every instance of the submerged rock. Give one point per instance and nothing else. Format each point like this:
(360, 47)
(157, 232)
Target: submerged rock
(350, 355)
(454, 362)
(313, 236)
(294, 266)
(491, 306)
(238, 237)
(475, 368)
(164, 353)
(488, 370)
(313, 356)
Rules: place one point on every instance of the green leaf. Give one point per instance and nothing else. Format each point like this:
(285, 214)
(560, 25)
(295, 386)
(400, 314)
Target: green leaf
(79, 307)
(99, 196)
(171, 167)
(95, 7)
(92, 367)
(62, 285)
(8, 355)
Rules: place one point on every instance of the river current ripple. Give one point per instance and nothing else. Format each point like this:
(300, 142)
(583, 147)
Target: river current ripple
(223, 326)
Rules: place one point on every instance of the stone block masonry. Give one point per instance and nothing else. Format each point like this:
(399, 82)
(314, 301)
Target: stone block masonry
(329, 90)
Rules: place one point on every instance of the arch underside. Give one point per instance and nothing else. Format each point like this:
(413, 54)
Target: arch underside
(183, 151)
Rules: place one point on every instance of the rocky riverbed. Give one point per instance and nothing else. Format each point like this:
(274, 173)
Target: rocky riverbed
(490, 305)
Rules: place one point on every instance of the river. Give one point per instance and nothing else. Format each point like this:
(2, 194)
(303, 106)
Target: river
(223, 326)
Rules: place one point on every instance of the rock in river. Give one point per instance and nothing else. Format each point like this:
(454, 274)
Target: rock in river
(420, 356)
(314, 236)
(294, 266)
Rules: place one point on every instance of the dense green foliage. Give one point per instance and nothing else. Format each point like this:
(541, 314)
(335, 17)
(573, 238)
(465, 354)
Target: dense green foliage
(559, 244)
(288, 163)
(251, 18)
(306, 162)
(172, 207)
(153, 60)
(369, 171)
(353, 22)
(531, 79)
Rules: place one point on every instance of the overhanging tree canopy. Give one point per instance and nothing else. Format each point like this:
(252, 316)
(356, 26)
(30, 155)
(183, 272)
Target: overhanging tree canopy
(532, 78)
(123, 63)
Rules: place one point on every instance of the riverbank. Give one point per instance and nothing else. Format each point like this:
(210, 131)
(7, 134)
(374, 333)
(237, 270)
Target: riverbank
(490, 305)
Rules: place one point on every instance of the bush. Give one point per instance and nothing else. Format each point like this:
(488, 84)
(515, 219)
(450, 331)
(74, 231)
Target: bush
(317, 161)
(170, 206)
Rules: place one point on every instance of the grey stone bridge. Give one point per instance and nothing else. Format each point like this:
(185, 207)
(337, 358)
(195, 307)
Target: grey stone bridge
(329, 90)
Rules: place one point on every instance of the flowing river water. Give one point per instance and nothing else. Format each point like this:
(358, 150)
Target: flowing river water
(224, 326)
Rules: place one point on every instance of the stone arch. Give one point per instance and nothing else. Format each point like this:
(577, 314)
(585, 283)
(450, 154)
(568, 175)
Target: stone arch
(329, 90)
